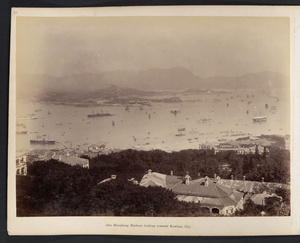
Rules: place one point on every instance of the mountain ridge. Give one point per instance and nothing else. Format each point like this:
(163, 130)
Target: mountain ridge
(175, 79)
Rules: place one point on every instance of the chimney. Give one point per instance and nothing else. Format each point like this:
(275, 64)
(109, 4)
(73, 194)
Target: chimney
(187, 178)
(113, 177)
(244, 178)
(149, 171)
(262, 179)
(171, 172)
(206, 181)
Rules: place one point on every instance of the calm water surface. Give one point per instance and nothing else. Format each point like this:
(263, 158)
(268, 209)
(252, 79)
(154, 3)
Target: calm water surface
(70, 127)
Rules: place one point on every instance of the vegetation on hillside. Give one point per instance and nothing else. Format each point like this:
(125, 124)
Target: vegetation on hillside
(53, 188)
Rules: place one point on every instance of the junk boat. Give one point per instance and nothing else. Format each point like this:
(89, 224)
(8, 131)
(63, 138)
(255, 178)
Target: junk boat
(273, 109)
(259, 119)
(175, 111)
(181, 129)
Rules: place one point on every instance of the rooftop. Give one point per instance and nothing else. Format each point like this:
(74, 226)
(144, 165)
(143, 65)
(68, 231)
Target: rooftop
(71, 160)
(213, 193)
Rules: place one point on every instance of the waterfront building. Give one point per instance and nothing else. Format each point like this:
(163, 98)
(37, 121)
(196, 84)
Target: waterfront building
(223, 147)
(21, 164)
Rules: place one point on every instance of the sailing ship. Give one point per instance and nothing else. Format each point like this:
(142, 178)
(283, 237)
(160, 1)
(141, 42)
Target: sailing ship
(175, 111)
(21, 129)
(181, 129)
(273, 109)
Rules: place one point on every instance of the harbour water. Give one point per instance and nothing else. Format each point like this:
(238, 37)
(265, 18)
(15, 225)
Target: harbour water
(154, 127)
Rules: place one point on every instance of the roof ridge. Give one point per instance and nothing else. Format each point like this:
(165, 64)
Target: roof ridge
(215, 186)
(227, 188)
(221, 201)
(174, 185)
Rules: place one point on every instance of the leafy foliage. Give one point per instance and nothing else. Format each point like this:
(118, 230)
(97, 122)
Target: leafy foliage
(55, 188)
(132, 163)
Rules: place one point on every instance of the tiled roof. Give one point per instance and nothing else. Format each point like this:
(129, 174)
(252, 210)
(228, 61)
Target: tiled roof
(214, 194)
(71, 160)
(208, 201)
(197, 188)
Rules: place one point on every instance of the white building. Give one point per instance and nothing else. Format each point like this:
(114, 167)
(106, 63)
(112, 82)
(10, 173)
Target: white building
(21, 165)
(72, 160)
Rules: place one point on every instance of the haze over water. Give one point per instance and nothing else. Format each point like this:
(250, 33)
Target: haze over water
(136, 129)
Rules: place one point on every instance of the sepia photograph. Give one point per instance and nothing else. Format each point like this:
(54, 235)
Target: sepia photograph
(151, 116)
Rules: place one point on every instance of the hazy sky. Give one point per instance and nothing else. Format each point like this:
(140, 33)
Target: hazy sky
(207, 46)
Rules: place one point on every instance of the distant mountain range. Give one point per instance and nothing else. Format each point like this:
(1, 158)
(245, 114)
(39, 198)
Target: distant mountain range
(172, 79)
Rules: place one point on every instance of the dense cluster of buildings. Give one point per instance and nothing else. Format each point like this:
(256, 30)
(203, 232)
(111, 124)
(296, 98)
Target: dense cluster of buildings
(241, 149)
